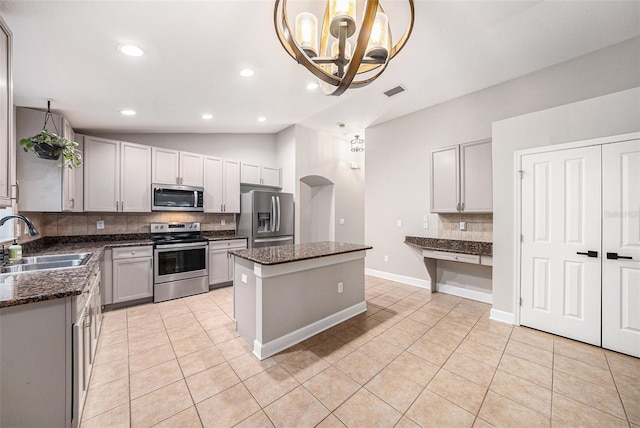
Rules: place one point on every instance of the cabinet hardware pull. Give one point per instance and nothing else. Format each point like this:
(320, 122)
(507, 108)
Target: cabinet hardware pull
(122, 205)
(458, 207)
(588, 253)
(462, 207)
(117, 206)
(615, 256)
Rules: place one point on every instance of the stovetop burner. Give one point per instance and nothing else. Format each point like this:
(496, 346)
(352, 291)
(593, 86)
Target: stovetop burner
(173, 233)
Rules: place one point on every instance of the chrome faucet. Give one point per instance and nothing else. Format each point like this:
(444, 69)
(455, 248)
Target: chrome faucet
(32, 230)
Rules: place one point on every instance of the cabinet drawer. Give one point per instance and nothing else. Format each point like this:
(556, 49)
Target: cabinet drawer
(225, 245)
(454, 257)
(130, 252)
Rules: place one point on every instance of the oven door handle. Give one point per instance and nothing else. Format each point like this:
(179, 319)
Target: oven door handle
(182, 246)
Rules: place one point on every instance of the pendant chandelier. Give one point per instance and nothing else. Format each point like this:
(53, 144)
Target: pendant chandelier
(331, 57)
(357, 144)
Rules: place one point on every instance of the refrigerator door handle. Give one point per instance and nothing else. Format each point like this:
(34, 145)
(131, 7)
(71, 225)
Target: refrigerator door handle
(273, 213)
(278, 209)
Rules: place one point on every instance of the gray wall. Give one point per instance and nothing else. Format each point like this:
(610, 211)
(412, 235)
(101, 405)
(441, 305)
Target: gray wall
(251, 148)
(397, 152)
(604, 116)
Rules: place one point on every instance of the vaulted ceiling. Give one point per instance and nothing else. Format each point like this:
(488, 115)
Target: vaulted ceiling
(65, 51)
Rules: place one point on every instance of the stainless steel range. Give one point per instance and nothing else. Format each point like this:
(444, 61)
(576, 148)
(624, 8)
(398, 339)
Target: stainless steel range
(180, 260)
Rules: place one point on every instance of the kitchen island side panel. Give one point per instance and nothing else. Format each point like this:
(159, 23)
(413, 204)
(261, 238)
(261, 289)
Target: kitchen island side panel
(295, 300)
(244, 299)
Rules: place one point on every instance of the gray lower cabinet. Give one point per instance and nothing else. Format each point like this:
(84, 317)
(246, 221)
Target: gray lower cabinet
(132, 273)
(221, 262)
(48, 350)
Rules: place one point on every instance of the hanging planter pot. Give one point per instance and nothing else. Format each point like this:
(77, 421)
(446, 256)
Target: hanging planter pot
(51, 146)
(46, 151)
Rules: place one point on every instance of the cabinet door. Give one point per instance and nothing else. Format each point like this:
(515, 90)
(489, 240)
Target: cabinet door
(135, 178)
(218, 267)
(271, 176)
(231, 184)
(444, 180)
(164, 166)
(250, 174)
(32, 171)
(7, 145)
(476, 194)
(191, 169)
(213, 184)
(68, 174)
(101, 174)
(132, 279)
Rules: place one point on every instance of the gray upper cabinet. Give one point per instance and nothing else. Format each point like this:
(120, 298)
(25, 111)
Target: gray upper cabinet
(63, 188)
(461, 178)
(7, 146)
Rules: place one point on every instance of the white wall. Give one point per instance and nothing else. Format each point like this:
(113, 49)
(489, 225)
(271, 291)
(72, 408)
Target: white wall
(252, 148)
(315, 153)
(397, 152)
(614, 114)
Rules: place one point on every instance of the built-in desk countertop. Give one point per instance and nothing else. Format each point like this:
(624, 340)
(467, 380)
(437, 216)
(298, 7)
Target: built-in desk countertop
(455, 250)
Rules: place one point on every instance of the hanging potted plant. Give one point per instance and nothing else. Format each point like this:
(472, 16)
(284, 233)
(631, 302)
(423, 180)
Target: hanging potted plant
(50, 145)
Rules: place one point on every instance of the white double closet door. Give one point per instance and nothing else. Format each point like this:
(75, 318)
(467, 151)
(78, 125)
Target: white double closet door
(580, 246)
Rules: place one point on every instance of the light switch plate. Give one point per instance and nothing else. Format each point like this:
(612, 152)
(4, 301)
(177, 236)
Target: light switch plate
(340, 287)
(463, 225)
(341, 221)
(223, 222)
(399, 223)
(244, 278)
(100, 224)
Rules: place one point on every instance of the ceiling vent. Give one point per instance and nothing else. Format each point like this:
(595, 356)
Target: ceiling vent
(394, 91)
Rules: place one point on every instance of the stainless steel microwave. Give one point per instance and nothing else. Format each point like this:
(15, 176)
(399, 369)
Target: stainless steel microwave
(170, 197)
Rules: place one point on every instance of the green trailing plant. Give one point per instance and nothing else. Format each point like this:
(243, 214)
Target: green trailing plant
(48, 145)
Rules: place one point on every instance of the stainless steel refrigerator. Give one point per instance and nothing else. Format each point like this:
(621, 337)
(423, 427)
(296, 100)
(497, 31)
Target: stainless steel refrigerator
(266, 218)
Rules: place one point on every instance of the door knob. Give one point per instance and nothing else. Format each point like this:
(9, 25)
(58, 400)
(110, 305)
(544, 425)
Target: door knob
(589, 253)
(615, 256)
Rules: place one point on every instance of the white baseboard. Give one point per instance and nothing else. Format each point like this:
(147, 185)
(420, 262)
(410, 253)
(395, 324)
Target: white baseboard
(272, 347)
(423, 283)
(502, 316)
(479, 296)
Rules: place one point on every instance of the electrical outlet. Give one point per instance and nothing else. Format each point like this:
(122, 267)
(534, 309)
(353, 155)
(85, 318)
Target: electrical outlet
(100, 224)
(399, 223)
(223, 222)
(340, 287)
(463, 225)
(386, 258)
(425, 225)
(341, 221)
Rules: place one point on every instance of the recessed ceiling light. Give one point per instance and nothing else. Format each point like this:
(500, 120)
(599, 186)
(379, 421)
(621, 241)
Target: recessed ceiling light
(128, 112)
(311, 86)
(262, 119)
(207, 116)
(130, 50)
(247, 72)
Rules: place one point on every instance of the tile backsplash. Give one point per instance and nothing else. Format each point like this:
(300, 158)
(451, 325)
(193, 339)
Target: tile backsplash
(479, 227)
(74, 224)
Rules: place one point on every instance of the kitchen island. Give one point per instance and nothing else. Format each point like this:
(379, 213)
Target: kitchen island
(286, 294)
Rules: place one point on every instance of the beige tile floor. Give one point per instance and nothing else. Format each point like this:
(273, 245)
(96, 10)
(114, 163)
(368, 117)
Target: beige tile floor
(413, 359)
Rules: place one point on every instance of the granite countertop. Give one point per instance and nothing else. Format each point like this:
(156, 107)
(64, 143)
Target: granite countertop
(451, 245)
(293, 253)
(31, 287)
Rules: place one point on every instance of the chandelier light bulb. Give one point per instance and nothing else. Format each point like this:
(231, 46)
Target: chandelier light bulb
(378, 46)
(307, 33)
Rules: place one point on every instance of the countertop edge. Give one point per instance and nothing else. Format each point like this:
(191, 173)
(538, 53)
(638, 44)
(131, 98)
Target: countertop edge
(484, 248)
(298, 259)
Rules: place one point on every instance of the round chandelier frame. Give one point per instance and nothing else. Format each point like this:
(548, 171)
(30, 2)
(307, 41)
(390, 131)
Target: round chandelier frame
(321, 65)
